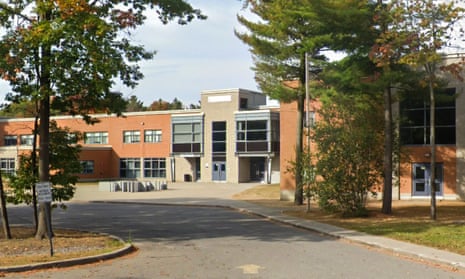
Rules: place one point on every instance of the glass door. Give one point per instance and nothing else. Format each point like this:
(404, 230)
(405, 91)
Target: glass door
(422, 179)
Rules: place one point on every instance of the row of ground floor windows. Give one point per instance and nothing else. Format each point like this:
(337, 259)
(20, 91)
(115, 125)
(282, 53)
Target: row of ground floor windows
(152, 167)
(156, 168)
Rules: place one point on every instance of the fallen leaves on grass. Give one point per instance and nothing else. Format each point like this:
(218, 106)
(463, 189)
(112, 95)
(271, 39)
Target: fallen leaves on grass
(23, 248)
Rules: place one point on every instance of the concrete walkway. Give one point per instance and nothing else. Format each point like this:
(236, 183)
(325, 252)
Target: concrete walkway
(220, 195)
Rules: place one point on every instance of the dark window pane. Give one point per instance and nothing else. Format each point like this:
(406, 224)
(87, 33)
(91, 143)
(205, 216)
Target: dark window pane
(219, 136)
(256, 125)
(445, 135)
(219, 126)
(219, 147)
(256, 135)
(240, 146)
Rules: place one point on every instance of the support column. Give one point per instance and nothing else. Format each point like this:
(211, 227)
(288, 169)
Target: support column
(268, 171)
(173, 169)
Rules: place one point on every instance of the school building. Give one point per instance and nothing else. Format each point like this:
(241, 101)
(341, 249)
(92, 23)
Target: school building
(234, 137)
(411, 175)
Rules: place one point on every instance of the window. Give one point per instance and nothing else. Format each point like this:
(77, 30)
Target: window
(131, 136)
(96, 138)
(187, 137)
(87, 167)
(7, 165)
(129, 168)
(243, 103)
(415, 118)
(26, 139)
(251, 135)
(10, 140)
(155, 167)
(152, 136)
(219, 137)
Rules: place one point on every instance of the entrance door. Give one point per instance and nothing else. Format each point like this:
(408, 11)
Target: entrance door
(219, 171)
(257, 169)
(422, 182)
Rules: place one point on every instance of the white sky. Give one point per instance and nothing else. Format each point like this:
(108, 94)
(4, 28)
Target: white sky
(202, 55)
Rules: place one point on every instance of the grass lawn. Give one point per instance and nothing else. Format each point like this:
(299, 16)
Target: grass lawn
(410, 220)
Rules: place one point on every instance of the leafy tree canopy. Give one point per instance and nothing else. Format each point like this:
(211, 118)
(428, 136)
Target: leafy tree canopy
(73, 50)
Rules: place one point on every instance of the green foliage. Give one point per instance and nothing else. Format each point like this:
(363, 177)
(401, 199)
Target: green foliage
(350, 144)
(64, 161)
(21, 182)
(64, 167)
(305, 165)
(74, 51)
(135, 104)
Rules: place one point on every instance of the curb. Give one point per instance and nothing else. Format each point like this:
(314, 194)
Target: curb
(396, 247)
(127, 249)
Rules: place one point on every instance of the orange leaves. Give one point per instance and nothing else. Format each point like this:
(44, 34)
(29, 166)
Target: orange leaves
(69, 8)
(126, 19)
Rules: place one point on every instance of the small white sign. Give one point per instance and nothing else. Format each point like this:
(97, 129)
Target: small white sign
(44, 192)
(219, 99)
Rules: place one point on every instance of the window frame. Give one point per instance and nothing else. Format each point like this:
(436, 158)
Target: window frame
(26, 139)
(10, 140)
(96, 138)
(8, 165)
(87, 165)
(155, 167)
(131, 136)
(153, 135)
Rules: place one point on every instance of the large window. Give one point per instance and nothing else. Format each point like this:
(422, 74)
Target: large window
(131, 136)
(26, 139)
(10, 140)
(87, 167)
(7, 165)
(129, 168)
(415, 118)
(219, 141)
(155, 167)
(251, 135)
(152, 136)
(96, 138)
(187, 137)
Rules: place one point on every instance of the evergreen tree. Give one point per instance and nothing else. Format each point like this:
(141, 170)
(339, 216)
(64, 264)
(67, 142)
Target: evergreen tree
(134, 104)
(288, 32)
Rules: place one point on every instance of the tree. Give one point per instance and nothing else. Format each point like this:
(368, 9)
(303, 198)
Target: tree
(419, 31)
(135, 104)
(68, 54)
(64, 167)
(351, 162)
(165, 105)
(4, 212)
(289, 30)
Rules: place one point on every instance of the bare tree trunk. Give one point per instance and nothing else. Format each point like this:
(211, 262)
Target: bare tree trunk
(44, 159)
(34, 170)
(388, 140)
(45, 88)
(5, 223)
(299, 195)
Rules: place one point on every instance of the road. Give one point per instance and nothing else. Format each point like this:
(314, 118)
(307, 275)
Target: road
(209, 242)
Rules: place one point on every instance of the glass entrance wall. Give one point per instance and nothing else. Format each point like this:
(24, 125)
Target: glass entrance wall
(187, 135)
(219, 150)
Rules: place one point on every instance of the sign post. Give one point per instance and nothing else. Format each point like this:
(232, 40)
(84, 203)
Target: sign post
(44, 197)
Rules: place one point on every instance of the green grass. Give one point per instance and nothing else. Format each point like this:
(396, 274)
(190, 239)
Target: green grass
(409, 221)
